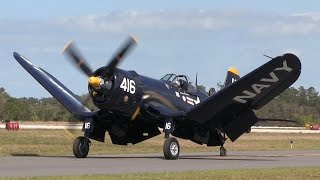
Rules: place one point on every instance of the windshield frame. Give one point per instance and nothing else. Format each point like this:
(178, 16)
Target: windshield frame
(168, 77)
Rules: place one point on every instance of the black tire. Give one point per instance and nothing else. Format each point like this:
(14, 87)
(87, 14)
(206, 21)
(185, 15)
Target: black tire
(80, 149)
(249, 130)
(223, 151)
(171, 148)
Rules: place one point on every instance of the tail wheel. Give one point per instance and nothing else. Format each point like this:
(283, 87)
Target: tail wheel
(223, 151)
(171, 148)
(81, 147)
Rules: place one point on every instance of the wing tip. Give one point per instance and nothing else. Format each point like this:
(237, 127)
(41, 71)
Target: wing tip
(18, 57)
(293, 60)
(15, 54)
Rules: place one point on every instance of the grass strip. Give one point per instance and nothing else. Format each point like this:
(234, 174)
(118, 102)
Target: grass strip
(296, 173)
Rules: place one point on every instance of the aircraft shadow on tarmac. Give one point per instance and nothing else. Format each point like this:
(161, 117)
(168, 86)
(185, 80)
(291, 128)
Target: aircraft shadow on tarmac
(25, 155)
(191, 157)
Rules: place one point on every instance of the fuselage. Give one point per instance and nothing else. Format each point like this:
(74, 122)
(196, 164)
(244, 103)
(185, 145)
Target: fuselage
(170, 94)
(131, 91)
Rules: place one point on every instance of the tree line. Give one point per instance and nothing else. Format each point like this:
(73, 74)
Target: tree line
(31, 109)
(301, 104)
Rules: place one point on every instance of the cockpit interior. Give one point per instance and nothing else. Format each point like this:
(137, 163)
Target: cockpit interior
(181, 81)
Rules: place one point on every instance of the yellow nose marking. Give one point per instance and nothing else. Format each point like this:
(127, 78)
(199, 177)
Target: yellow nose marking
(94, 81)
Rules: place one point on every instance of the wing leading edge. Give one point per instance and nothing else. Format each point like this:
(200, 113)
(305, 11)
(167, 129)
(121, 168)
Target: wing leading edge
(232, 107)
(55, 88)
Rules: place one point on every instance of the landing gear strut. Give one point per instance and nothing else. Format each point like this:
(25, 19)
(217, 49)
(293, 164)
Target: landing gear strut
(171, 148)
(81, 147)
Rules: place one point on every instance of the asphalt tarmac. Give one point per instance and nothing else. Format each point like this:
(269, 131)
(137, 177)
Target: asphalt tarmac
(33, 165)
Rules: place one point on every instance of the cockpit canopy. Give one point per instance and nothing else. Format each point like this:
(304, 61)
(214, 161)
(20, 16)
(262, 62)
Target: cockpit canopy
(180, 81)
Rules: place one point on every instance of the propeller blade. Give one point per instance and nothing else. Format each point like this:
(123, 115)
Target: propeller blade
(127, 46)
(72, 52)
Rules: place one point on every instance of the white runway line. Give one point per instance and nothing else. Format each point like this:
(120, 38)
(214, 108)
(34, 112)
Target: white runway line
(256, 129)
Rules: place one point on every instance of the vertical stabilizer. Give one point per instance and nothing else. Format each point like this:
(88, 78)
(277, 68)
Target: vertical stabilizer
(232, 76)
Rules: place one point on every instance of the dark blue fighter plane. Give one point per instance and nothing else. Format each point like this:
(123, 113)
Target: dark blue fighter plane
(132, 107)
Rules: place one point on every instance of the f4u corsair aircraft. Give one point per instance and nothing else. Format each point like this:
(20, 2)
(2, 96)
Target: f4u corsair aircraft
(133, 107)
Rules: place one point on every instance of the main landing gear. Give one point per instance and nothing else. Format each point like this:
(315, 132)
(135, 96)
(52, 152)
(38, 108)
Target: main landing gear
(81, 147)
(82, 144)
(171, 148)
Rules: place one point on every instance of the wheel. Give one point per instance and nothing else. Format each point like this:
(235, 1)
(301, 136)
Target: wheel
(249, 130)
(171, 148)
(81, 147)
(223, 151)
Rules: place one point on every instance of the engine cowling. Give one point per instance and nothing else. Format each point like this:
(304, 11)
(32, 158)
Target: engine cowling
(121, 92)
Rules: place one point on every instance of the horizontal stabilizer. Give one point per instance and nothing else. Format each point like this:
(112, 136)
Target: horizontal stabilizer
(55, 88)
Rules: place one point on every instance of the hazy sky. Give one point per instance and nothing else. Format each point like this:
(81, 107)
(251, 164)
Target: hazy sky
(180, 37)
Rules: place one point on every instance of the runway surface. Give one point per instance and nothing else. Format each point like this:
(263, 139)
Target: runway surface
(112, 164)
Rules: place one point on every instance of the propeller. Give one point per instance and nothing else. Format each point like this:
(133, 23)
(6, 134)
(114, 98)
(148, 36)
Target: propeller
(75, 57)
(121, 53)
